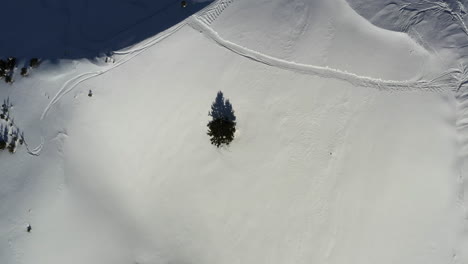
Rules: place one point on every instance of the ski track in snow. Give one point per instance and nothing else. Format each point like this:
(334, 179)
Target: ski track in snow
(37, 150)
(202, 20)
(208, 15)
(435, 85)
(129, 54)
(213, 11)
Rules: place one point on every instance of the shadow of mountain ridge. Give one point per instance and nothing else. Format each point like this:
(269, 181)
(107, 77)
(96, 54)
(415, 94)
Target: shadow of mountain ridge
(75, 29)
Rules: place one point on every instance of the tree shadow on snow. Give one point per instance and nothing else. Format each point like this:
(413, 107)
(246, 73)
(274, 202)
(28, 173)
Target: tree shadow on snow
(222, 109)
(75, 29)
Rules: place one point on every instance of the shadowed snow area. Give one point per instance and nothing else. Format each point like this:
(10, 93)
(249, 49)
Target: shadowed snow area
(350, 143)
(74, 29)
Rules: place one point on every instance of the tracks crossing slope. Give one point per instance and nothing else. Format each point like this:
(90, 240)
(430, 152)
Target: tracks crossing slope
(436, 85)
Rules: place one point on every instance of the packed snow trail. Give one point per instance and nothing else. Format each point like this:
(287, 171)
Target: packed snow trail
(37, 150)
(321, 71)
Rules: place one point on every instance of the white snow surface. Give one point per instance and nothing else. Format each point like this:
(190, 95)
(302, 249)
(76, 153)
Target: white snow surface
(350, 144)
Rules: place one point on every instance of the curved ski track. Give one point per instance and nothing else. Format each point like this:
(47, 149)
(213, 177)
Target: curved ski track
(37, 150)
(207, 16)
(435, 85)
(130, 54)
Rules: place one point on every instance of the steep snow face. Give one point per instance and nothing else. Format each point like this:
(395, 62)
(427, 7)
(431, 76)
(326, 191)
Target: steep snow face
(311, 32)
(328, 165)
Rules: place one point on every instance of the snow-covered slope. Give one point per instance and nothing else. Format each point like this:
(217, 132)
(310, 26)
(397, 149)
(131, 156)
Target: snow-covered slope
(349, 146)
(311, 32)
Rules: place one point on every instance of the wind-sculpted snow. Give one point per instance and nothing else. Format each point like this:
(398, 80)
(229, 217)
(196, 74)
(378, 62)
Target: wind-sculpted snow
(417, 9)
(436, 85)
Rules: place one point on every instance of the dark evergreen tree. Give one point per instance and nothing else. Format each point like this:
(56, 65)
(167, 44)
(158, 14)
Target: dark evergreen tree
(12, 147)
(3, 141)
(24, 71)
(222, 127)
(8, 79)
(3, 137)
(11, 63)
(3, 65)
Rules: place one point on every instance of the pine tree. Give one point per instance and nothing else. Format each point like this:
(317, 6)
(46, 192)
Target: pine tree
(34, 62)
(222, 127)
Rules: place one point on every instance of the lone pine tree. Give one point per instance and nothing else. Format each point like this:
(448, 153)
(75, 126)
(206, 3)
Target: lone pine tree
(222, 127)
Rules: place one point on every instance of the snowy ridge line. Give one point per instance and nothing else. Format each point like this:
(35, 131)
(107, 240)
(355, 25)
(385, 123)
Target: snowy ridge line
(435, 85)
(136, 50)
(213, 11)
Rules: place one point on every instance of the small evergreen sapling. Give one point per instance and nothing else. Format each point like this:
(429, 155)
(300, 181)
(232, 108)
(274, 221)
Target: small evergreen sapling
(222, 127)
